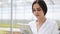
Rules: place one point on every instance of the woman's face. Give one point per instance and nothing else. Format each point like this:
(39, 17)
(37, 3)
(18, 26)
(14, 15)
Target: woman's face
(37, 11)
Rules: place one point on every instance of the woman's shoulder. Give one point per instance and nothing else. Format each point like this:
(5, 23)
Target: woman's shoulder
(32, 22)
(51, 21)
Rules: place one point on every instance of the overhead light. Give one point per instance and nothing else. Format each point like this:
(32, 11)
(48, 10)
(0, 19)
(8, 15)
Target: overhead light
(52, 2)
(0, 3)
(30, 0)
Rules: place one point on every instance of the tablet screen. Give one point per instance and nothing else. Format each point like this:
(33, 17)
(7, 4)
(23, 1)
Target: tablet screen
(25, 29)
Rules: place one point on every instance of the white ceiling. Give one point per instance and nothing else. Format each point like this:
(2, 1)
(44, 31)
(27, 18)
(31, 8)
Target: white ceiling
(57, 2)
(47, 1)
(8, 2)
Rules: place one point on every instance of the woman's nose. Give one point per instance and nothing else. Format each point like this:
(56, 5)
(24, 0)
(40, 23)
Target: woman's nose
(36, 12)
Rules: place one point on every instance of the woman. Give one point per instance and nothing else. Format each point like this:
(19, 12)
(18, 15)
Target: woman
(42, 25)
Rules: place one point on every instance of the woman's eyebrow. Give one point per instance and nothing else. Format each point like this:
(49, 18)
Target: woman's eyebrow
(39, 8)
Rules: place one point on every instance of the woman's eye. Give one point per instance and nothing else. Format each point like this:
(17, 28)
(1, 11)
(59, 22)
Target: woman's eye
(34, 10)
(38, 9)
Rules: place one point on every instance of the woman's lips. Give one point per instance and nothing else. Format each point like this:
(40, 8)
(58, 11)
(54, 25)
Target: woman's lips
(37, 15)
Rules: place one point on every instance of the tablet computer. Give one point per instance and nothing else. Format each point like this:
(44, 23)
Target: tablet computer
(25, 29)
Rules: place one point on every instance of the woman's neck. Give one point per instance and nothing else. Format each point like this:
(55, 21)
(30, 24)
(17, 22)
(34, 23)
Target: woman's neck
(40, 22)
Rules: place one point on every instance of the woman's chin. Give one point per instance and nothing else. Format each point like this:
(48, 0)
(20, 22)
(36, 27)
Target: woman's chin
(38, 17)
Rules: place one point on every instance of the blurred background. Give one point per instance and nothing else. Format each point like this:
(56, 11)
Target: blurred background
(13, 12)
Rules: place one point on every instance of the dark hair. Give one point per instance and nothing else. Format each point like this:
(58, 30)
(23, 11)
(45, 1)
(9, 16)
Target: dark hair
(42, 4)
